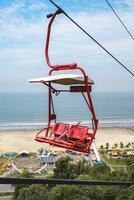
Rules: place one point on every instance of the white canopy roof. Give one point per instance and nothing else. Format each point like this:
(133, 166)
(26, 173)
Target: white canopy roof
(63, 79)
(24, 152)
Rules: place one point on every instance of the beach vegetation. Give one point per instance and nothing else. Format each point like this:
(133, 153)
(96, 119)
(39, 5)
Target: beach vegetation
(68, 192)
(107, 146)
(121, 145)
(19, 187)
(33, 192)
(132, 144)
(128, 145)
(80, 167)
(115, 146)
(131, 172)
(3, 165)
(66, 169)
(4, 194)
(101, 147)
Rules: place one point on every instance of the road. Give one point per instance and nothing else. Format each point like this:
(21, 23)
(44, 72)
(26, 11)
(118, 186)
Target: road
(6, 198)
(6, 188)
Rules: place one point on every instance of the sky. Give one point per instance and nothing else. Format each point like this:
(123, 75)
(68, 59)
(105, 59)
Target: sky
(23, 26)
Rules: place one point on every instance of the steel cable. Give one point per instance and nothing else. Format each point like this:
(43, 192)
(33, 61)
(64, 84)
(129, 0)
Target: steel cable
(119, 19)
(126, 68)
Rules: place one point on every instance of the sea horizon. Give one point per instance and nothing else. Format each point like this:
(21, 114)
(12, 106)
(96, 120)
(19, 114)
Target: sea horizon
(25, 111)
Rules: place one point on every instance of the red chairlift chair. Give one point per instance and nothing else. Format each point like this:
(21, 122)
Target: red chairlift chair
(73, 137)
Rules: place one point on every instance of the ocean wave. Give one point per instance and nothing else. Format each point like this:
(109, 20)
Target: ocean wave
(128, 123)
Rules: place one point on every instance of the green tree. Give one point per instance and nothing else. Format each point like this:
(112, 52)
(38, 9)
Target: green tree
(107, 146)
(18, 187)
(128, 145)
(119, 176)
(99, 171)
(68, 192)
(131, 196)
(131, 193)
(131, 172)
(101, 147)
(80, 167)
(64, 168)
(121, 145)
(123, 194)
(109, 193)
(132, 144)
(33, 192)
(115, 145)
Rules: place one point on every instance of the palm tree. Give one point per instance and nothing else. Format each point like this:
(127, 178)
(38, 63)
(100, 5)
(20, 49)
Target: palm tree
(107, 145)
(101, 147)
(115, 145)
(121, 145)
(128, 145)
(132, 143)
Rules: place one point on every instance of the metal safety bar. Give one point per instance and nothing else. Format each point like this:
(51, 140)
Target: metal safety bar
(63, 181)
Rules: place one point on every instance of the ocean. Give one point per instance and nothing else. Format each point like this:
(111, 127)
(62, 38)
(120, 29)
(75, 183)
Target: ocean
(29, 110)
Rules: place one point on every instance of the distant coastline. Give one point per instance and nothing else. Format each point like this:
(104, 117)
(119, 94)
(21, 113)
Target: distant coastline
(33, 126)
(19, 111)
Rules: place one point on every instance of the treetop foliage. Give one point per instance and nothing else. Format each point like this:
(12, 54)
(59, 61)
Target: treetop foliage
(66, 169)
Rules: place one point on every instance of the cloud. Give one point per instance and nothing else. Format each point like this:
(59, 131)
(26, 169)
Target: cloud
(17, 27)
(11, 10)
(37, 6)
(129, 3)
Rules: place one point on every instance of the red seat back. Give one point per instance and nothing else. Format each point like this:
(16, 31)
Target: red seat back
(77, 133)
(60, 128)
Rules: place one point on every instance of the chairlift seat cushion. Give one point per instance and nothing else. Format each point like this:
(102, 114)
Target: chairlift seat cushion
(77, 133)
(59, 129)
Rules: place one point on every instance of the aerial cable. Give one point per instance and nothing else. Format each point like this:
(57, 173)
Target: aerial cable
(119, 19)
(59, 8)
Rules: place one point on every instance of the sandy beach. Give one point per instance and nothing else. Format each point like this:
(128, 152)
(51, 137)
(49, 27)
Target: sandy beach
(24, 140)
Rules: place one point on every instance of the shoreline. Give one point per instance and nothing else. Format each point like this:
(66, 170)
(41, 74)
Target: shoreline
(24, 139)
(28, 126)
(38, 129)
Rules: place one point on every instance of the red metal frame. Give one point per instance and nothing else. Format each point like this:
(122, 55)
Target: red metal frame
(47, 135)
